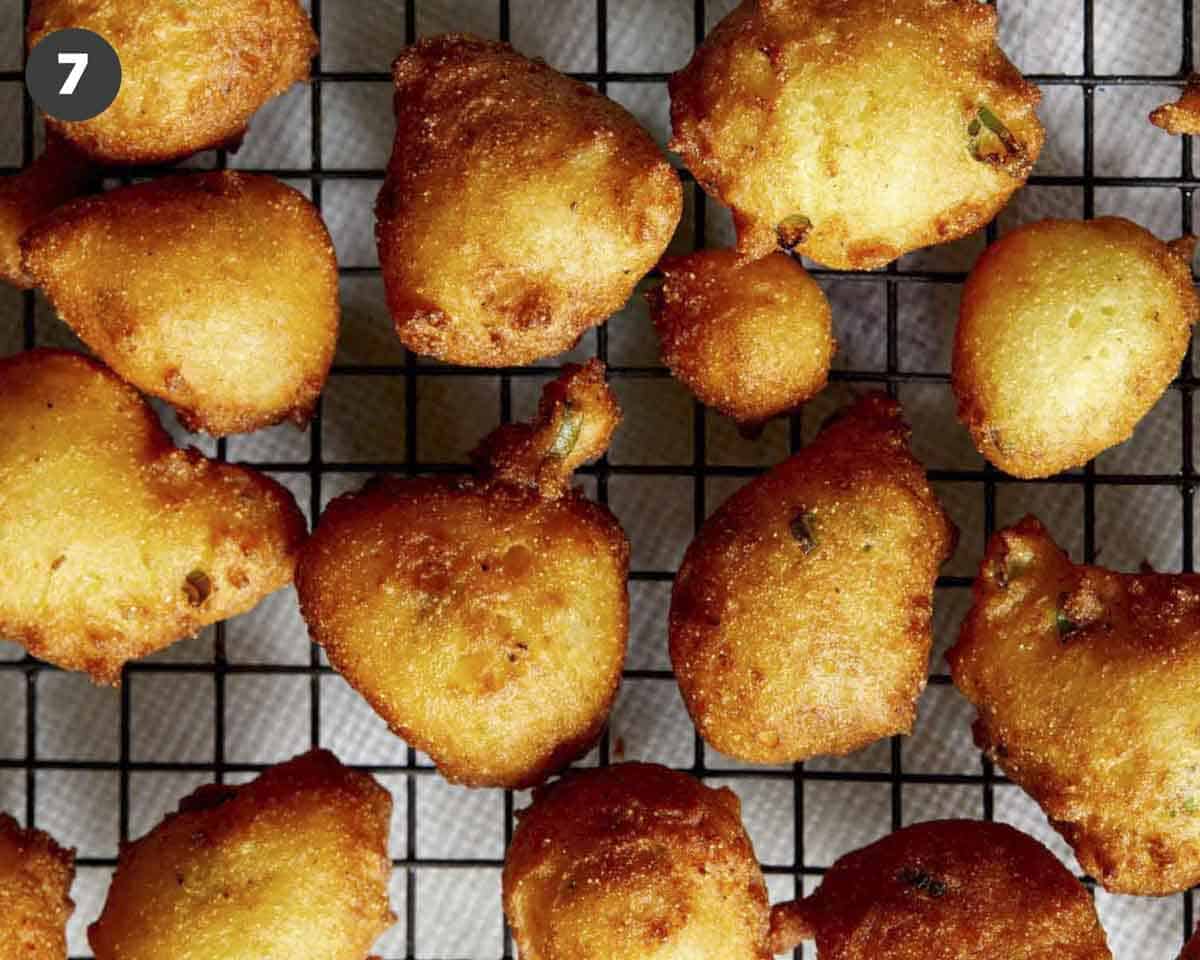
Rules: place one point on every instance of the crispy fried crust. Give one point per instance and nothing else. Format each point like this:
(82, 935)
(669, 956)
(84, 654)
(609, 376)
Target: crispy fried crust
(292, 866)
(800, 619)
(114, 544)
(520, 207)
(843, 129)
(753, 340)
(634, 861)
(217, 292)
(1069, 332)
(1182, 116)
(35, 883)
(1085, 684)
(192, 74)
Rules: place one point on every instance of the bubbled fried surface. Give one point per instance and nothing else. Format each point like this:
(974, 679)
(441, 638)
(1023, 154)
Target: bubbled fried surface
(35, 883)
(114, 544)
(1069, 332)
(291, 866)
(634, 861)
(192, 74)
(842, 128)
(800, 619)
(1182, 116)
(1085, 684)
(752, 340)
(217, 292)
(520, 207)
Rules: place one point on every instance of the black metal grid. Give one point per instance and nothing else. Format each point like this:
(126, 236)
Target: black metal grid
(411, 370)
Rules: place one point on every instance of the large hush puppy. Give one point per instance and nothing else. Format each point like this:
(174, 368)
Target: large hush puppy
(484, 618)
(291, 866)
(800, 619)
(113, 543)
(520, 206)
(1069, 332)
(35, 883)
(1085, 682)
(856, 131)
(217, 292)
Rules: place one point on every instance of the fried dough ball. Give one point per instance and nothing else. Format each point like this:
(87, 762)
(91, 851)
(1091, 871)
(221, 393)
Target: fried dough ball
(1069, 332)
(520, 208)
(192, 74)
(485, 619)
(947, 890)
(35, 883)
(291, 866)
(854, 132)
(1182, 116)
(800, 619)
(753, 340)
(1085, 681)
(634, 861)
(217, 292)
(113, 543)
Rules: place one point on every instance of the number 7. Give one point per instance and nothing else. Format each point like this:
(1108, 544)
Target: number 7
(79, 62)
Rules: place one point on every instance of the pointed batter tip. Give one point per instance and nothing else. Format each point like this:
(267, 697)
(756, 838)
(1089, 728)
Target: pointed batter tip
(791, 925)
(1182, 116)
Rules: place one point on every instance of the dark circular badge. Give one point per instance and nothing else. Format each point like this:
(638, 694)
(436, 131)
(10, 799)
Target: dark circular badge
(73, 74)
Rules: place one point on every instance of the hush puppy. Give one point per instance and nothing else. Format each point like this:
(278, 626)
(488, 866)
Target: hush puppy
(35, 883)
(520, 207)
(800, 619)
(1085, 684)
(1068, 333)
(113, 543)
(1182, 116)
(216, 292)
(752, 340)
(484, 618)
(1191, 950)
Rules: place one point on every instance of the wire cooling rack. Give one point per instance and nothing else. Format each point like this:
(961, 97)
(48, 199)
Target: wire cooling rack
(97, 766)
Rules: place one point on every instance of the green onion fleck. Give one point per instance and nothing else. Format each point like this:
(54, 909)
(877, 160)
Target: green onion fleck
(569, 428)
(802, 530)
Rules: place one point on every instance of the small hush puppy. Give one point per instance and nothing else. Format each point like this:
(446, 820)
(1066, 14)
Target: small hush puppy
(291, 866)
(113, 543)
(35, 883)
(1068, 333)
(1085, 684)
(854, 132)
(520, 207)
(1182, 116)
(192, 74)
(217, 292)
(752, 340)
(800, 619)
(485, 618)
(634, 861)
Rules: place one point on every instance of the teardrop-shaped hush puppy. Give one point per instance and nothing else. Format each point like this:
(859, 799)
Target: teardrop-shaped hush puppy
(753, 340)
(35, 883)
(1085, 682)
(291, 866)
(192, 74)
(800, 619)
(855, 131)
(217, 292)
(485, 619)
(1182, 116)
(113, 543)
(634, 861)
(520, 207)
(1069, 332)
(947, 890)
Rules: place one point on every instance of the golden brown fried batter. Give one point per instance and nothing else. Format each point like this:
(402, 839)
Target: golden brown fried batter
(192, 74)
(800, 619)
(947, 890)
(1069, 332)
(634, 861)
(292, 866)
(520, 208)
(35, 883)
(1182, 116)
(753, 340)
(1085, 681)
(854, 131)
(217, 292)
(485, 619)
(114, 544)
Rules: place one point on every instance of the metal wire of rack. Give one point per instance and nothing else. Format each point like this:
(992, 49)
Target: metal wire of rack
(411, 370)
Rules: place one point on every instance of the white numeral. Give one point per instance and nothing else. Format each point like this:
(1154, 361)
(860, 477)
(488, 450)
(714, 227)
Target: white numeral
(78, 62)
